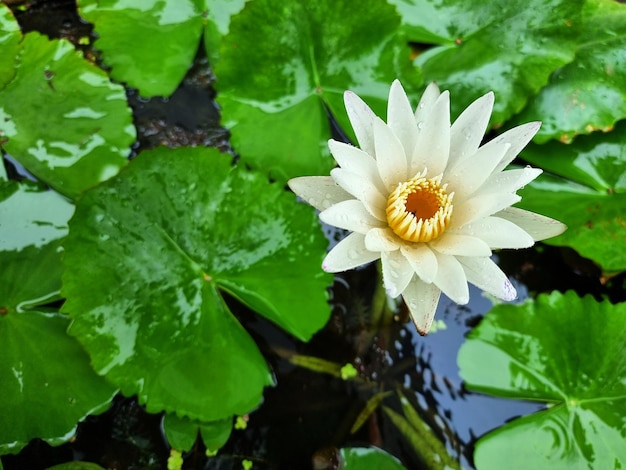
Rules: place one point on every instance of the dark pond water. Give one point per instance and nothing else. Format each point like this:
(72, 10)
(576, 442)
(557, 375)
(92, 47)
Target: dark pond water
(309, 413)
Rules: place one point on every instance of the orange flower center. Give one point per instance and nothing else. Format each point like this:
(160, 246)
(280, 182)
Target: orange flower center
(419, 210)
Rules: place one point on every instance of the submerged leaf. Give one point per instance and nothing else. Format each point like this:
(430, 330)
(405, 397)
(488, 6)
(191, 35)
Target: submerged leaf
(157, 247)
(62, 119)
(566, 351)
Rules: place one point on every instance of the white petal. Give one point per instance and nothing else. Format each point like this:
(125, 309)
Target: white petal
(422, 300)
(350, 215)
(432, 147)
(422, 260)
(451, 279)
(470, 173)
(480, 206)
(509, 181)
(518, 137)
(390, 156)
(497, 233)
(485, 274)
(400, 117)
(347, 254)
(319, 191)
(397, 272)
(426, 103)
(356, 161)
(361, 117)
(539, 227)
(460, 245)
(363, 190)
(469, 129)
(381, 239)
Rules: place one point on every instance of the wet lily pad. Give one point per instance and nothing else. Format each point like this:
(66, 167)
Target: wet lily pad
(62, 118)
(182, 433)
(589, 194)
(589, 94)
(468, 48)
(47, 382)
(280, 69)
(568, 352)
(10, 36)
(164, 34)
(157, 248)
(367, 458)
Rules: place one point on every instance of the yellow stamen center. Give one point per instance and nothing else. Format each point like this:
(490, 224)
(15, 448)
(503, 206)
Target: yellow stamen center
(419, 210)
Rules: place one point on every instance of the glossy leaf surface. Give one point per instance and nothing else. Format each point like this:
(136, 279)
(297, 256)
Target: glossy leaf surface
(468, 47)
(10, 36)
(182, 433)
(362, 458)
(590, 198)
(47, 382)
(589, 94)
(568, 352)
(281, 68)
(165, 35)
(62, 118)
(157, 247)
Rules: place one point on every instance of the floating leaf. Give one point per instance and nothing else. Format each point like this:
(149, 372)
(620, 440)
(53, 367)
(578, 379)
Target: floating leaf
(590, 201)
(157, 247)
(164, 34)
(280, 69)
(589, 93)
(476, 50)
(10, 36)
(62, 118)
(568, 352)
(182, 433)
(362, 458)
(47, 382)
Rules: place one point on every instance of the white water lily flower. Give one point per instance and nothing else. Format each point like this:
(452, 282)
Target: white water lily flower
(427, 199)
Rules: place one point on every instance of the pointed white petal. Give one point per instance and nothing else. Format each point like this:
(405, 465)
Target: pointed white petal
(485, 274)
(397, 272)
(509, 181)
(390, 156)
(479, 206)
(350, 215)
(381, 239)
(432, 147)
(361, 117)
(426, 103)
(400, 117)
(460, 245)
(422, 260)
(497, 233)
(469, 129)
(356, 161)
(348, 254)
(470, 173)
(319, 191)
(421, 299)
(363, 190)
(539, 227)
(451, 279)
(518, 137)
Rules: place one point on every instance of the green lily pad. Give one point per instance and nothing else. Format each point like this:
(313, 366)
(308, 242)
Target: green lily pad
(10, 36)
(367, 458)
(588, 94)
(590, 201)
(47, 382)
(164, 34)
(508, 47)
(566, 351)
(182, 433)
(280, 69)
(62, 118)
(157, 247)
